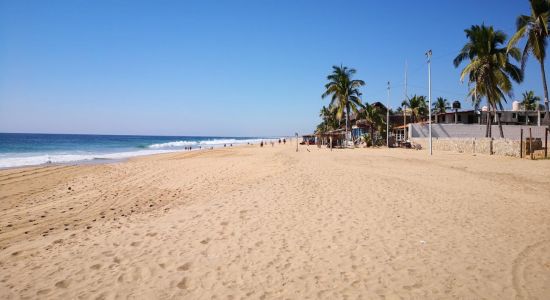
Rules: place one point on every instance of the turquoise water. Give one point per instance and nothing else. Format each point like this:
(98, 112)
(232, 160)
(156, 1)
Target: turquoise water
(24, 149)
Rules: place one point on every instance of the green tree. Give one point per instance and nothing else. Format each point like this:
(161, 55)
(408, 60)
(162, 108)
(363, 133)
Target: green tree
(440, 106)
(330, 122)
(417, 107)
(535, 29)
(344, 92)
(530, 101)
(373, 116)
(489, 69)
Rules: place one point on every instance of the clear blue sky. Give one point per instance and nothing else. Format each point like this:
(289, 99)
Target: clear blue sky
(244, 68)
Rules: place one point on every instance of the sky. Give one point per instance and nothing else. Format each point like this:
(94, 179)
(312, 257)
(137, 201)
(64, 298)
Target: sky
(224, 68)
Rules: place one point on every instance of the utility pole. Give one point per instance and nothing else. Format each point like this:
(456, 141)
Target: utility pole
(429, 55)
(406, 68)
(404, 112)
(388, 118)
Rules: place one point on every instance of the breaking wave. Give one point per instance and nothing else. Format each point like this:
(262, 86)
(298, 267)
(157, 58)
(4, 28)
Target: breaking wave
(212, 142)
(7, 161)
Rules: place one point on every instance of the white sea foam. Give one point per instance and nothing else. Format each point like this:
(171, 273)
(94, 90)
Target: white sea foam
(229, 141)
(173, 144)
(212, 142)
(8, 161)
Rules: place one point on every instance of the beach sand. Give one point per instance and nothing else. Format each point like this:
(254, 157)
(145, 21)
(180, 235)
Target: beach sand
(272, 223)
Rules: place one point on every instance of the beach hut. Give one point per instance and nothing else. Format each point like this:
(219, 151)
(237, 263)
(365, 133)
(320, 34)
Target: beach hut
(308, 139)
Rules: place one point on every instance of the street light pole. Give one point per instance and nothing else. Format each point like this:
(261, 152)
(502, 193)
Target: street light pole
(388, 118)
(429, 55)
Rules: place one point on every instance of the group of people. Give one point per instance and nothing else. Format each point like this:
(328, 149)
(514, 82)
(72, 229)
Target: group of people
(262, 143)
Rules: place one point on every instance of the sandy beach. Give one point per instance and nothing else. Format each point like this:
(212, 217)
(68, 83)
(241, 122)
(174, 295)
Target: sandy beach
(272, 223)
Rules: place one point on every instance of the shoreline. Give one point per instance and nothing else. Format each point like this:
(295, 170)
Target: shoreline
(253, 222)
(101, 160)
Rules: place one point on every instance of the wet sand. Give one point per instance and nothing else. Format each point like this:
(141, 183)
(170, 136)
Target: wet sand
(270, 223)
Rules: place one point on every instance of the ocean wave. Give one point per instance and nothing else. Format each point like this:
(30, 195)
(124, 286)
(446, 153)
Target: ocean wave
(10, 160)
(7, 161)
(229, 141)
(212, 142)
(173, 144)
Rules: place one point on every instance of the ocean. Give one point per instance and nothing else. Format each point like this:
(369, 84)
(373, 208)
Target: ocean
(26, 149)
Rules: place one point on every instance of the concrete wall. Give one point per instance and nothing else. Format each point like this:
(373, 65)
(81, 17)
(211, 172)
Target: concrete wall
(487, 146)
(511, 132)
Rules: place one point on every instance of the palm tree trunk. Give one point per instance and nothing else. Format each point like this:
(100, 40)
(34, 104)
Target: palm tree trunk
(372, 134)
(499, 124)
(546, 106)
(488, 126)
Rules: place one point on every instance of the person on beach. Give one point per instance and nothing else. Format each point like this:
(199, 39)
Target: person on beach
(284, 141)
(261, 143)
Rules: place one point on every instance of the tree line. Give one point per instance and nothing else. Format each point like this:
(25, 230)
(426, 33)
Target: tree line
(491, 62)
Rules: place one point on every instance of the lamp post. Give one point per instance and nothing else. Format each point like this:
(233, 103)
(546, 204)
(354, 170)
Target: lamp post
(388, 118)
(429, 56)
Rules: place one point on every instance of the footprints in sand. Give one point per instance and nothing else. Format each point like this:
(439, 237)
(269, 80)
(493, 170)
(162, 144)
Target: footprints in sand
(63, 284)
(183, 283)
(184, 267)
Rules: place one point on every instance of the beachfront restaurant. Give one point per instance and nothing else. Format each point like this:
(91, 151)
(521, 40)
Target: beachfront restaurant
(308, 139)
(337, 137)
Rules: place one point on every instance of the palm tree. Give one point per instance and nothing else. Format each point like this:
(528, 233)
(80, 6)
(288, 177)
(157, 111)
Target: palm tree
(344, 91)
(373, 116)
(535, 28)
(417, 106)
(329, 120)
(489, 69)
(530, 101)
(440, 106)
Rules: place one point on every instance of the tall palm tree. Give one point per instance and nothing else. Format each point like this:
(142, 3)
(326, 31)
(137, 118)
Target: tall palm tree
(373, 116)
(344, 91)
(440, 106)
(530, 101)
(535, 28)
(417, 106)
(489, 69)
